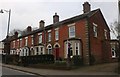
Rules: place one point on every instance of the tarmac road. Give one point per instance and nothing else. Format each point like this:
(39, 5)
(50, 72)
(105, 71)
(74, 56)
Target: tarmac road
(7, 72)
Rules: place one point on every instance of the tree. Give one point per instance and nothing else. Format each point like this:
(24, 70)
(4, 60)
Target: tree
(115, 28)
(12, 32)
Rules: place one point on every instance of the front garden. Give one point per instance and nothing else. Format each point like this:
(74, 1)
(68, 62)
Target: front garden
(45, 61)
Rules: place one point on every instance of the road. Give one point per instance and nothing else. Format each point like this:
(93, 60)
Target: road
(15, 73)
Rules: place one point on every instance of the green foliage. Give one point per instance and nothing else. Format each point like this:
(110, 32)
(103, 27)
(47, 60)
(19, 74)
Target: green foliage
(60, 63)
(46, 58)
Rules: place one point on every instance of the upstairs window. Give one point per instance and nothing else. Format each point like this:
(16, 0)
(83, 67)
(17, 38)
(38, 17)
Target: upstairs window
(18, 43)
(21, 42)
(95, 30)
(71, 31)
(26, 41)
(105, 33)
(40, 37)
(49, 36)
(32, 39)
(56, 34)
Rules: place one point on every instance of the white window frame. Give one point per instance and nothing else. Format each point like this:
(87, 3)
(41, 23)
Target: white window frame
(26, 41)
(49, 36)
(77, 45)
(57, 34)
(95, 30)
(40, 37)
(18, 43)
(113, 51)
(50, 50)
(71, 31)
(21, 42)
(105, 33)
(32, 39)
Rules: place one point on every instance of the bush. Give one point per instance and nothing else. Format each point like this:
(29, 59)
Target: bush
(60, 63)
(46, 58)
(77, 60)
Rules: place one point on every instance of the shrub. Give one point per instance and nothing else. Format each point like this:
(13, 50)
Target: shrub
(77, 60)
(60, 63)
(46, 58)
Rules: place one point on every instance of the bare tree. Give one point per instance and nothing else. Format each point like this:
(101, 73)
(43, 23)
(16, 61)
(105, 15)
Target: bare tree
(12, 32)
(115, 28)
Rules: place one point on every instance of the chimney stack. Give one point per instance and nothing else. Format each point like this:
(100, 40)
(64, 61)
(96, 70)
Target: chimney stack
(16, 34)
(29, 29)
(41, 24)
(55, 18)
(86, 7)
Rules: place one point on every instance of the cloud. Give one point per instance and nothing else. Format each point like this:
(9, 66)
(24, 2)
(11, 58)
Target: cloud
(25, 13)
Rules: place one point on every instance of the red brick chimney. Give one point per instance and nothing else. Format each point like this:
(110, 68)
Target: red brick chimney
(41, 24)
(86, 7)
(29, 29)
(55, 18)
(16, 34)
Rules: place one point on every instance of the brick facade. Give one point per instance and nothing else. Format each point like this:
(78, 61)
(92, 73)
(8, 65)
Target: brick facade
(78, 31)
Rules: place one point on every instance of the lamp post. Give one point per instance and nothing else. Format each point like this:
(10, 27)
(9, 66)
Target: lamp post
(7, 42)
(9, 11)
(119, 36)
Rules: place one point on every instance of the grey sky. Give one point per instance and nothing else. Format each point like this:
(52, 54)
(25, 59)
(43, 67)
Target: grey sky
(30, 12)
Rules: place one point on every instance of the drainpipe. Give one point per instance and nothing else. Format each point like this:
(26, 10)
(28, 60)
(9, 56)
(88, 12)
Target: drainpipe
(89, 46)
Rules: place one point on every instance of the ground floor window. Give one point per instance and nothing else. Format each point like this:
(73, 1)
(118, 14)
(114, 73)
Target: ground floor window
(72, 47)
(49, 50)
(39, 50)
(113, 52)
(77, 49)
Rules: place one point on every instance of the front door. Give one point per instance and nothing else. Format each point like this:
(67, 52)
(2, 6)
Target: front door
(57, 53)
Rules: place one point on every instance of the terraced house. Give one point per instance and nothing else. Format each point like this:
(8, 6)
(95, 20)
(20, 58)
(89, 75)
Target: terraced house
(86, 35)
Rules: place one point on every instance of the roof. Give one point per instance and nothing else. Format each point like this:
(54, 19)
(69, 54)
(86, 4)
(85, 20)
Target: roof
(66, 21)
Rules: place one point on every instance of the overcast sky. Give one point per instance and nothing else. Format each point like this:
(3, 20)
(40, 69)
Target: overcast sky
(29, 12)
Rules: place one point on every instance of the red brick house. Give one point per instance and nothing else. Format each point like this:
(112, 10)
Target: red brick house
(88, 35)
(114, 50)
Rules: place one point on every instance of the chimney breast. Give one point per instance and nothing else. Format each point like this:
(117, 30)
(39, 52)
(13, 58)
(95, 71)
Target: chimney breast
(86, 7)
(55, 18)
(41, 24)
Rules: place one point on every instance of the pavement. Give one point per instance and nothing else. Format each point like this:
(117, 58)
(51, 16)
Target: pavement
(101, 69)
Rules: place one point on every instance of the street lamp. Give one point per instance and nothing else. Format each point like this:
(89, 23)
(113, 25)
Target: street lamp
(9, 11)
(7, 42)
